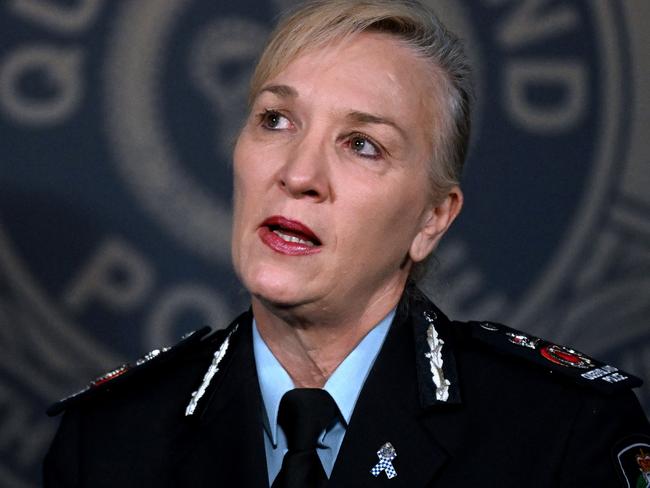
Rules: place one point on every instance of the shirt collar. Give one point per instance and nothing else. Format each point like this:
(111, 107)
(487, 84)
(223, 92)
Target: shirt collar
(274, 382)
(344, 384)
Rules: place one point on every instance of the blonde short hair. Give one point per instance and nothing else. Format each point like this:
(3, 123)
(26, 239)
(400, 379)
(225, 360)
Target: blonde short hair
(319, 22)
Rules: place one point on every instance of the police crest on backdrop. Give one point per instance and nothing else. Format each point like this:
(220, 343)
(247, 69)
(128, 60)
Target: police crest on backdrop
(105, 252)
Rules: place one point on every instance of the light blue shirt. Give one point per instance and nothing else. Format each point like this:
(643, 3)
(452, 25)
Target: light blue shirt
(344, 385)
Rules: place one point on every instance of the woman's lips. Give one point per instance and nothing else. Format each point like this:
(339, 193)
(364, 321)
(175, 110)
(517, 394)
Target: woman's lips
(289, 236)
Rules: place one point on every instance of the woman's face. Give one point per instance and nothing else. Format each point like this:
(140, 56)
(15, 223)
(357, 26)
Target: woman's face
(331, 188)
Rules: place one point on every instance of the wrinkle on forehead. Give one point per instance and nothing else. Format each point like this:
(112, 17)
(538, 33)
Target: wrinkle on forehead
(400, 66)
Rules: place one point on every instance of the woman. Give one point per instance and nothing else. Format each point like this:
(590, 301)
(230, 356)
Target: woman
(346, 176)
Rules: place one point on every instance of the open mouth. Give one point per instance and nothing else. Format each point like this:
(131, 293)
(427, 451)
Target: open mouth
(289, 236)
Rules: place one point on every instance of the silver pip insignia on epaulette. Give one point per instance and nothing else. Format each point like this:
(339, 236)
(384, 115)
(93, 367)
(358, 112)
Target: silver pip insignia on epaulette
(105, 381)
(119, 371)
(554, 357)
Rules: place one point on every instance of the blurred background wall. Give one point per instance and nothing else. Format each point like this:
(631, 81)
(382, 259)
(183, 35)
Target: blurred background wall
(116, 124)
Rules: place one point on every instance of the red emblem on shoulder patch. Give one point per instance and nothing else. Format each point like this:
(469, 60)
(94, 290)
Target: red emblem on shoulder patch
(566, 357)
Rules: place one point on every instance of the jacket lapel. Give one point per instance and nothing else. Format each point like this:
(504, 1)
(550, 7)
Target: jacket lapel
(398, 405)
(224, 444)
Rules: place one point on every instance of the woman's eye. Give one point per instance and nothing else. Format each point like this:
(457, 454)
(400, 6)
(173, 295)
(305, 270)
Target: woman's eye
(274, 120)
(364, 147)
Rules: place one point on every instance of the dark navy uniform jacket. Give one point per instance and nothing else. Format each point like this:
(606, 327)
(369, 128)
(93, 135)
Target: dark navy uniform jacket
(518, 412)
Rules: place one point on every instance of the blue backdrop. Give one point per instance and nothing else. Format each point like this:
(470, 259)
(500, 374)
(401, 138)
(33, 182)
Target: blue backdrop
(116, 126)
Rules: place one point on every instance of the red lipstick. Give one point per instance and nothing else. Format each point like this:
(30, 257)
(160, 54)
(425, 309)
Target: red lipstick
(289, 236)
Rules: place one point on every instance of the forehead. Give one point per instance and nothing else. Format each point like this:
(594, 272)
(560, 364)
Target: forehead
(370, 70)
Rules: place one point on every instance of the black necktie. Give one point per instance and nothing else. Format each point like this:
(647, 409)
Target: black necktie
(304, 414)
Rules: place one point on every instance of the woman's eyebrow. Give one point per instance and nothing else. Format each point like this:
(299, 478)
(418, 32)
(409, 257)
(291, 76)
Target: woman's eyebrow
(282, 91)
(367, 118)
(286, 91)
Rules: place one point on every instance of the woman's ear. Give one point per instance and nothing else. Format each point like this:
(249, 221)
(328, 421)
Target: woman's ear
(435, 222)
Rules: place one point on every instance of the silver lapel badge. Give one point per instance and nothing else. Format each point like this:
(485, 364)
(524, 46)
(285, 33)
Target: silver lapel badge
(386, 455)
(207, 378)
(435, 360)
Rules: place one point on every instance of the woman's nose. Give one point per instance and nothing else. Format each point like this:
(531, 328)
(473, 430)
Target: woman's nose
(305, 173)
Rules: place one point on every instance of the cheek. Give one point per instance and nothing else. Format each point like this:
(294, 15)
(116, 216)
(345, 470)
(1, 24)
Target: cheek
(245, 176)
(254, 167)
(241, 199)
(237, 226)
(238, 199)
(380, 225)
(404, 212)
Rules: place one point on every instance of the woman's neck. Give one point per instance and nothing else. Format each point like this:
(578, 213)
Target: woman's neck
(311, 346)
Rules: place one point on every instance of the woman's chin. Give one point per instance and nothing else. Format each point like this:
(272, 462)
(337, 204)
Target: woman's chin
(277, 289)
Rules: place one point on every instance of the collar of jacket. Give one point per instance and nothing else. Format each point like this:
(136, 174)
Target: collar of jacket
(223, 439)
(435, 338)
(399, 403)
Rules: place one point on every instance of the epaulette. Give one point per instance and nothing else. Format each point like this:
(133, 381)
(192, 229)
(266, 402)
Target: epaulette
(127, 371)
(554, 358)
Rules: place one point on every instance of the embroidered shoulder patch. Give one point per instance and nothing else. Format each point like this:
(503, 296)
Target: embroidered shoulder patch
(122, 372)
(568, 362)
(632, 458)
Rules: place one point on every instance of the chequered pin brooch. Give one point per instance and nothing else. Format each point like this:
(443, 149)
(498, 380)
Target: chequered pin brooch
(386, 455)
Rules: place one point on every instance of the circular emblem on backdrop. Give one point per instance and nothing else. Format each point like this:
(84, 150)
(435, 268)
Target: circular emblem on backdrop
(553, 205)
(117, 120)
(551, 141)
(156, 172)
